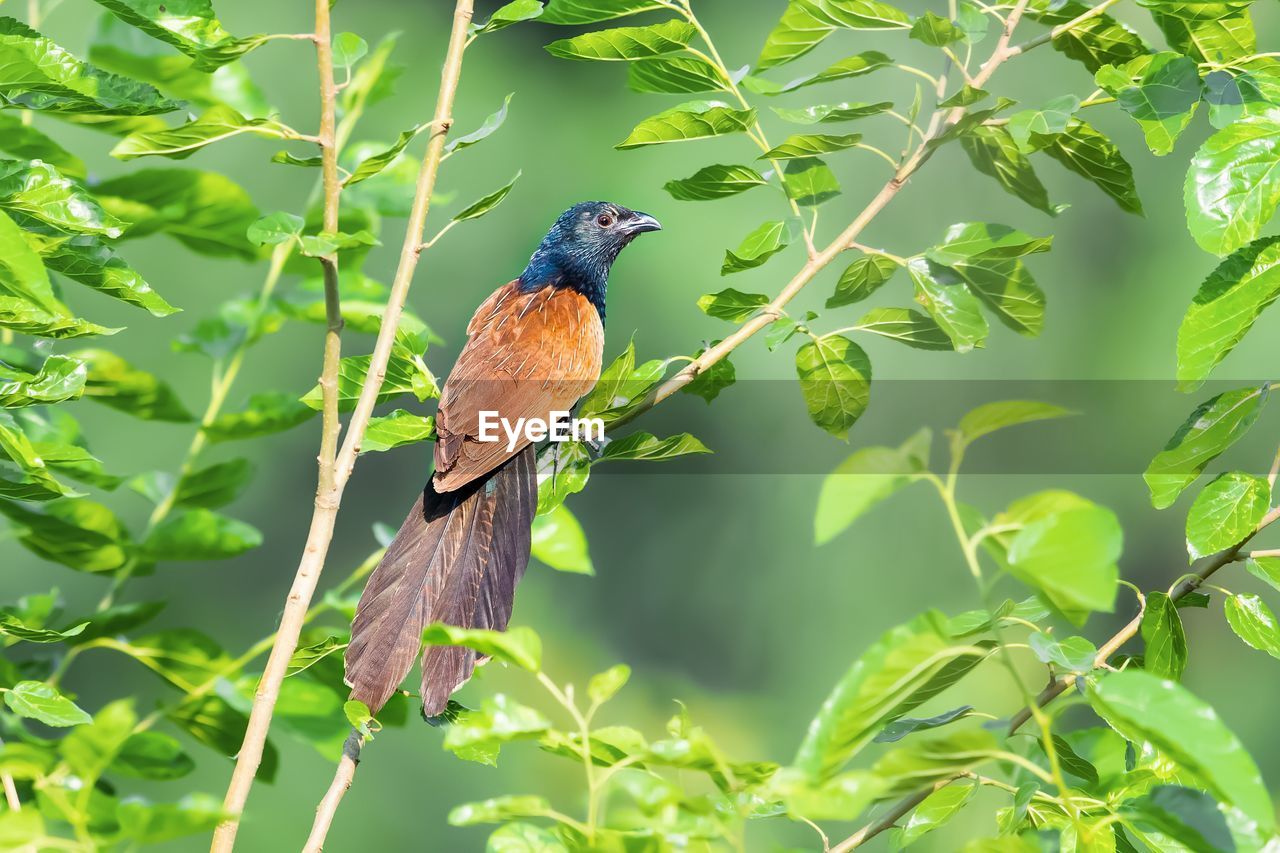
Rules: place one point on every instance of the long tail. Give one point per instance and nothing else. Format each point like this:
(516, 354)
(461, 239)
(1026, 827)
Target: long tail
(457, 559)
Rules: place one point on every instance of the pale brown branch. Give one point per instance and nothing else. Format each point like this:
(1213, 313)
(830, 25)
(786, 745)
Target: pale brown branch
(342, 779)
(334, 479)
(10, 789)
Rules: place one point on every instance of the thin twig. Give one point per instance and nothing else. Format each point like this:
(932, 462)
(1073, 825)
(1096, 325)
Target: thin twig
(10, 789)
(342, 779)
(335, 469)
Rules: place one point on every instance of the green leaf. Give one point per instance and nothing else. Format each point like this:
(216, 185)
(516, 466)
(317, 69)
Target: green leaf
(905, 326)
(1072, 654)
(12, 626)
(1072, 762)
(1248, 88)
(645, 447)
(952, 306)
(966, 96)
(518, 646)
(188, 25)
(573, 12)
(277, 228)
(488, 126)
(674, 75)
(348, 49)
(213, 722)
(214, 486)
(1230, 37)
(39, 701)
(40, 75)
(375, 163)
(80, 534)
(1165, 654)
(26, 143)
(864, 479)
(1100, 40)
(832, 113)
(1070, 558)
(1214, 426)
(732, 305)
(935, 31)
(625, 43)
(796, 33)
(907, 666)
(710, 382)
(1047, 120)
(858, 14)
(760, 245)
(1226, 512)
(1095, 158)
(397, 429)
(479, 735)
(524, 838)
(853, 66)
(1189, 817)
(1225, 308)
(990, 417)
(200, 534)
(38, 191)
(1266, 569)
(562, 474)
(861, 279)
(712, 182)
(152, 755)
(904, 726)
(499, 809)
(993, 151)
(1253, 622)
(694, 120)
(205, 211)
(605, 685)
(114, 382)
(936, 810)
(1233, 185)
(406, 373)
(808, 145)
(487, 203)
(809, 181)
(1006, 287)
(835, 379)
(1143, 707)
(966, 241)
(86, 259)
(505, 16)
(178, 143)
(266, 413)
(59, 378)
(329, 243)
(558, 541)
(1160, 92)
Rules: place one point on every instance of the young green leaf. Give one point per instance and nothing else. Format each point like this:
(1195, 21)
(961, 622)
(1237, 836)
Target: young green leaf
(625, 43)
(935, 30)
(938, 808)
(603, 686)
(1214, 426)
(397, 429)
(858, 14)
(563, 470)
(200, 534)
(488, 202)
(1143, 707)
(308, 656)
(405, 373)
(559, 542)
(809, 145)
(1089, 154)
(178, 143)
(967, 241)
(1072, 654)
(12, 626)
(832, 113)
(646, 447)
(951, 304)
(1253, 622)
(674, 75)
(1165, 642)
(1070, 558)
(905, 326)
(59, 378)
(79, 534)
(348, 49)
(518, 646)
(1160, 92)
(574, 12)
(38, 191)
(486, 128)
(835, 379)
(375, 163)
(990, 417)
(479, 735)
(215, 485)
(710, 382)
(853, 66)
(505, 16)
(277, 228)
(114, 382)
(266, 413)
(499, 809)
(1094, 42)
(694, 120)
(1233, 185)
(732, 305)
(861, 279)
(760, 245)
(904, 726)
(713, 182)
(809, 182)
(993, 151)
(1226, 512)
(864, 479)
(39, 701)
(188, 25)
(1266, 569)
(1052, 118)
(796, 33)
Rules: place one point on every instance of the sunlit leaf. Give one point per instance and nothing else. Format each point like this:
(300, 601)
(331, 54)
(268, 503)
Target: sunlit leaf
(905, 326)
(214, 125)
(853, 66)
(731, 304)
(39, 701)
(1210, 429)
(832, 113)
(861, 279)
(646, 447)
(396, 429)
(1252, 620)
(518, 646)
(760, 245)
(572, 12)
(1165, 642)
(694, 120)
(994, 152)
(714, 182)
(951, 304)
(864, 479)
(487, 203)
(200, 534)
(187, 25)
(1233, 185)
(1226, 512)
(796, 33)
(1070, 558)
(1088, 153)
(559, 542)
(625, 43)
(1160, 92)
(990, 417)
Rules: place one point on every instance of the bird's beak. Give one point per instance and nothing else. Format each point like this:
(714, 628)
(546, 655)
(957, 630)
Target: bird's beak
(642, 222)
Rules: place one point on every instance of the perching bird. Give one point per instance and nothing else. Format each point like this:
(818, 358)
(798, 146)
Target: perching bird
(534, 347)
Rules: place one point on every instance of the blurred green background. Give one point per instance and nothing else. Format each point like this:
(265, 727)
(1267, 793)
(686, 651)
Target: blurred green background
(707, 582)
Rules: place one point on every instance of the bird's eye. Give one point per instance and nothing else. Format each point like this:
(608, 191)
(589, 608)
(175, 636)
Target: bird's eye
(604, 220)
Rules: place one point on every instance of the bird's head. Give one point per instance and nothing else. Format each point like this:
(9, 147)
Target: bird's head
(581, 247)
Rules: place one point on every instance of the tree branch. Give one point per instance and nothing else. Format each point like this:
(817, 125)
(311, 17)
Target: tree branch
(342, 779)
(335, 469)
(329, 495)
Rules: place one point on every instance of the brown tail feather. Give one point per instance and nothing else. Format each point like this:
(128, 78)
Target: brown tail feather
(456, 559)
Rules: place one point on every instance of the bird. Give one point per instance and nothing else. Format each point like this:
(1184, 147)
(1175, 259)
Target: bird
(534, 347)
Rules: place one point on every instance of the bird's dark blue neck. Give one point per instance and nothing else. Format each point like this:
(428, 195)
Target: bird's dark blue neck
(552, 267)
